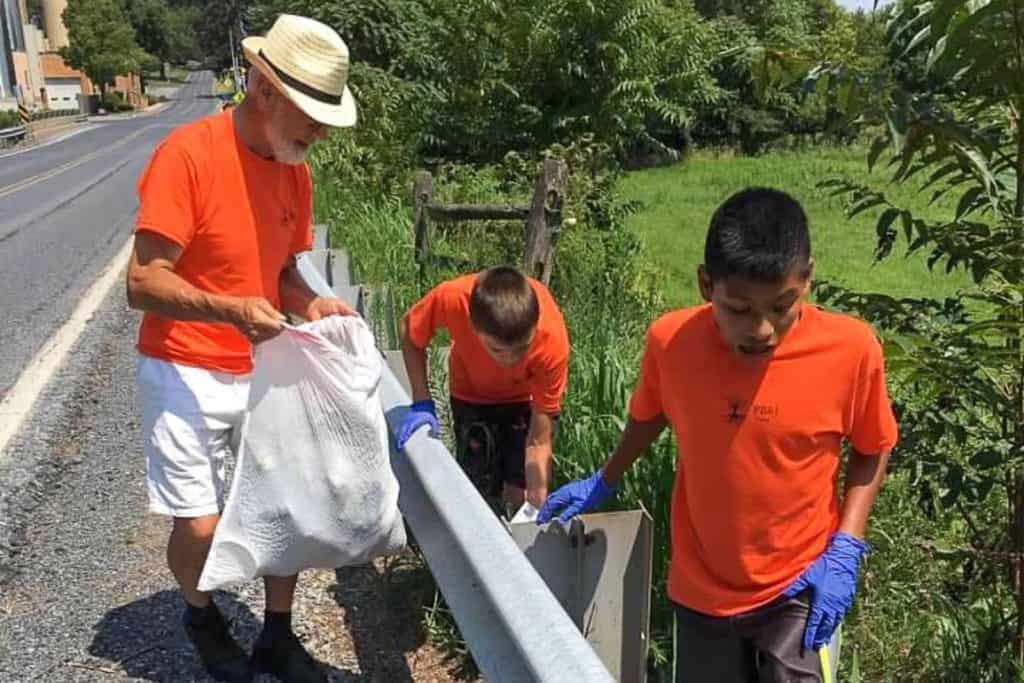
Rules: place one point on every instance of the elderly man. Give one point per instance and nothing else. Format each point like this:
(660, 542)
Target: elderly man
(226, 203)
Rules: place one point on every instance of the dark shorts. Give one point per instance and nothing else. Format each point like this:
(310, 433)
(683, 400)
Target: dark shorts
(490, 443)
(761, 646)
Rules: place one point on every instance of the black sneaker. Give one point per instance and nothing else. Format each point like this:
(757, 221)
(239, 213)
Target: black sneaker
(220, 654)
(288, 660)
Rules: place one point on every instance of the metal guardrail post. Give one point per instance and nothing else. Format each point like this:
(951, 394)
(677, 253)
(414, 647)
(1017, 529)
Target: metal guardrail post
(16, 132)
(512, 623)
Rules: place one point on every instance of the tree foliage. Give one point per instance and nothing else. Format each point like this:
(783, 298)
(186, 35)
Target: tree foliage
(165, 32)
(213, 28)
(648, 77)
(101, 41)
(35, 12)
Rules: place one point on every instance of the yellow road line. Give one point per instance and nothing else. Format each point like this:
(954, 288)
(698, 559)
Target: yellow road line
(46, 175)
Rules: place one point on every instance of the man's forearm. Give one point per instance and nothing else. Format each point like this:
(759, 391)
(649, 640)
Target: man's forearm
(864, 476)
(165, 293)
(296, 296)
(636, 438)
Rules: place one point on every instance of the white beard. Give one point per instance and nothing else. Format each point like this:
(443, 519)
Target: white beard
(285, 151)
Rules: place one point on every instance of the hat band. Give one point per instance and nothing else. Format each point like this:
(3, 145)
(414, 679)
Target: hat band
(292, 82)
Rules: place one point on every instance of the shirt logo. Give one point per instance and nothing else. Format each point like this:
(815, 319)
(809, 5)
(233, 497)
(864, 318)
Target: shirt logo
(737, 411)
(765, 413)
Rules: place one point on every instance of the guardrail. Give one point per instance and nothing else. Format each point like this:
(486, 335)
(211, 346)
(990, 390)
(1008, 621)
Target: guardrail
(12, 134)
(514, 626)
(47, 114)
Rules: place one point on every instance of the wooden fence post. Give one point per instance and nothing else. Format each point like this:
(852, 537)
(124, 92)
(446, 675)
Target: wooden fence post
(544, 222)
(422, 193)
(543, 216)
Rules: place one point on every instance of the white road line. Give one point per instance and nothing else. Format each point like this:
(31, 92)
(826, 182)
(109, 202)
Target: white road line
(18, 403)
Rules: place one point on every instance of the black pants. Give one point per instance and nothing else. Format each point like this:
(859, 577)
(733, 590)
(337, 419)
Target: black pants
(490, 443)
(761, 646)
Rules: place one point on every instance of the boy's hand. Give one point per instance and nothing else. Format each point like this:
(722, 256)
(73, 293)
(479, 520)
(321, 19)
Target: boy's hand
(582, 495)
(832, 580)
(420, 413)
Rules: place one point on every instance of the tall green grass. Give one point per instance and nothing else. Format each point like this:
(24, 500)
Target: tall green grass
(676, 203)
(918, 617)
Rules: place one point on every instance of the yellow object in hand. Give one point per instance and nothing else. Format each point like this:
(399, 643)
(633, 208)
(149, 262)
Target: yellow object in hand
(826, 664)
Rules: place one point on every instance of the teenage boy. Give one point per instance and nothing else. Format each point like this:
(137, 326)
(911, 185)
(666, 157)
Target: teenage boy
(508, 368)
(760, 390)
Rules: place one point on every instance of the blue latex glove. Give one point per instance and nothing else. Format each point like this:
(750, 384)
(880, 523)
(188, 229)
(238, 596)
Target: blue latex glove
(832, 580)
(577, 496)
(420, 413)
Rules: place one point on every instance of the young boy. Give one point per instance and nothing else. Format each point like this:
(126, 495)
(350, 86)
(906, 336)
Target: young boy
(760, 390)
(507, 372)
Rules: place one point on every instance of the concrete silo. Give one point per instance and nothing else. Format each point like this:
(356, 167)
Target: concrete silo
(53, 21)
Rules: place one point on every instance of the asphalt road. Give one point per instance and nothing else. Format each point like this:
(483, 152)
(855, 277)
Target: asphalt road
(76, 547)
(65, 210)
(85, 594)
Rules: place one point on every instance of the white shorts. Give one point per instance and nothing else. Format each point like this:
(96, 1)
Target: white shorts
(191, 418)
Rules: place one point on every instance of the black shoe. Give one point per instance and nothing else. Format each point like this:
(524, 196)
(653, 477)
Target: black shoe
(219, 652)
(288, 660)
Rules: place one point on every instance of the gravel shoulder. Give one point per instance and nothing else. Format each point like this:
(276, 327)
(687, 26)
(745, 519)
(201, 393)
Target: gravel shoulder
(84, 591)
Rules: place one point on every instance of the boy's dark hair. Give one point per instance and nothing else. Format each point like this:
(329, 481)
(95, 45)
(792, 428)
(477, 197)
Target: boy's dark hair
(504, 305)
(758, 234)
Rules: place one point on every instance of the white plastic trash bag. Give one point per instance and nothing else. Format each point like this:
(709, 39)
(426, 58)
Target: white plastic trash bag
(313, 485)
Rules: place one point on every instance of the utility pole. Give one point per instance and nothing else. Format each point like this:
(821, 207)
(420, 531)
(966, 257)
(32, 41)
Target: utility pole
(234, 58)
(234, 21)
(241, 37)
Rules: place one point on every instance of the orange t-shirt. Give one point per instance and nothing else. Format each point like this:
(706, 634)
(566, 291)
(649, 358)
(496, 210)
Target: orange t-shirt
(755, 497)
(473, 375)
(237, 217)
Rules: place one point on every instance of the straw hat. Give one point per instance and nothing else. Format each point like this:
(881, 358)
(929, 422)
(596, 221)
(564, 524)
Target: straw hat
(308, 63)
